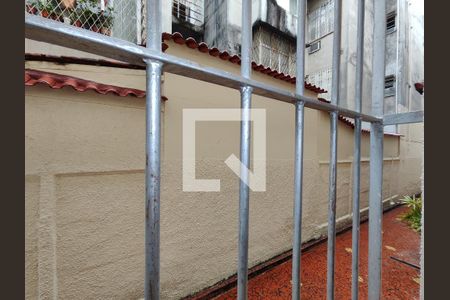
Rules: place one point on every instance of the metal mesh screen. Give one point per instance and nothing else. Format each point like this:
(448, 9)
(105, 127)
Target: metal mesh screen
(114, 18)
(125, 25)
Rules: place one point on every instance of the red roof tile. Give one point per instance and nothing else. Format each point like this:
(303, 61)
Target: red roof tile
(224, 55)
(188, 42)
(58, 81)
(350, 122)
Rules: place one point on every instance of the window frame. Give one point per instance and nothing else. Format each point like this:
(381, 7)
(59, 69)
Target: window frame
(392, 14)
(318, 42)
(390, 91)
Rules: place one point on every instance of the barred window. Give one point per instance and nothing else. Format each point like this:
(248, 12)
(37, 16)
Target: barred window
(190, 11)
(322, 79)
(273, 50)
(321, 21)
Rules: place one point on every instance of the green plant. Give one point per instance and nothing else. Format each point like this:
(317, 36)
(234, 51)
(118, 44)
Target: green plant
(89, 13)
(46, 8)
(107, 17)
(32, 6)
(44, 5)
(414, 215)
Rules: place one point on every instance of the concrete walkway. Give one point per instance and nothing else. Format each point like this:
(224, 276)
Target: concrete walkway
(400, 281)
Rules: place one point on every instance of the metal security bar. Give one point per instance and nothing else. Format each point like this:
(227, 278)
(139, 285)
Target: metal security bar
(298, 164)
(153, 153)
(246, 95)
(188, 11)
(376, 151)
(333, 149)
(357, 149)
(156, 62)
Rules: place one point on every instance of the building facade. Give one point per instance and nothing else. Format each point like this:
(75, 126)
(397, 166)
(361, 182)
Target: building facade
(274, 45)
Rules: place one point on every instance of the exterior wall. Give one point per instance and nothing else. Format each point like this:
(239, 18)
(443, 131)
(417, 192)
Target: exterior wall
(322, 59)
(85, 160)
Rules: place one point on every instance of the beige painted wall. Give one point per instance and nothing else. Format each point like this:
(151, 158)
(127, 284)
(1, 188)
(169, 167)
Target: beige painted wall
(85, 184)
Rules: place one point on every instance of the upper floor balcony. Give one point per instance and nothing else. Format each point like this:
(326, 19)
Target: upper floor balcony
(117, 18)
(124, 19)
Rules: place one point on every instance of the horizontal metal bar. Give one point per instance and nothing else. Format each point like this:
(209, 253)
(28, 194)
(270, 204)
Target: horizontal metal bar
(403, 118)
(57, 33)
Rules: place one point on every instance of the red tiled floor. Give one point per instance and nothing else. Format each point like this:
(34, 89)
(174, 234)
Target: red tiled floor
(398, 279)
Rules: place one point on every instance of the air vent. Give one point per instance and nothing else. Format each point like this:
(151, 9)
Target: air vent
(314, 47)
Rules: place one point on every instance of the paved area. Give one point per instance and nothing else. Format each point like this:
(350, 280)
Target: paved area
(400, 281)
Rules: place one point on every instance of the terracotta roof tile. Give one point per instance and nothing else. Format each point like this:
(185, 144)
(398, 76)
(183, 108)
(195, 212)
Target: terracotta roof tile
(58, 81)
(224, 55)
(190, 43)
(350, 122)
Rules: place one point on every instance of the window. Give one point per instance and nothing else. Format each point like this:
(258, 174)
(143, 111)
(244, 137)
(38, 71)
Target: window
(314, 47)
(274, 50)
(322, 79)
(180, 11)
(188, 11)
(390, 22)
(320, 21)
(389, 86)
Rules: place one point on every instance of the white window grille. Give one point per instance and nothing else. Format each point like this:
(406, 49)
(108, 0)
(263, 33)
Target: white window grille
(321, 21)
(275, 51)
(322, 79)
(190, 11)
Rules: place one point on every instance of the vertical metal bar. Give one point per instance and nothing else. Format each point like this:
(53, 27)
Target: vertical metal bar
(153, 154)
(152, 179)
(375, 210)
(333, 149)
(244, 194)
(376, 151)
(246, 94)
(357, 148)
(154, 37)
(332, 207)
(299, 129)
(356, 209)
